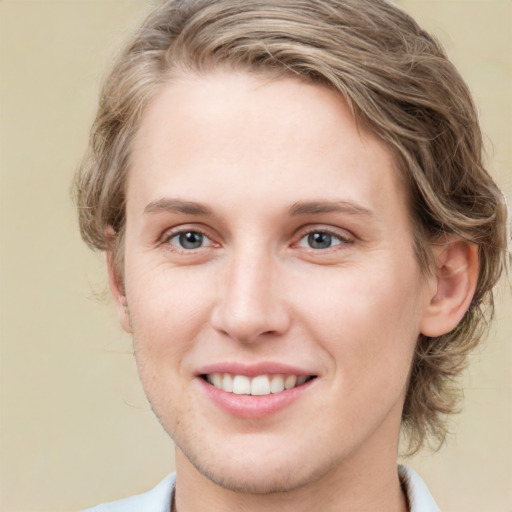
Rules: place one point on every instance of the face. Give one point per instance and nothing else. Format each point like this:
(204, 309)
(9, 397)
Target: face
(270, 280)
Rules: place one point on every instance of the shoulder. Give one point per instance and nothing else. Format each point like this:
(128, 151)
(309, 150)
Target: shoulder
(157, 499)
(418, 495)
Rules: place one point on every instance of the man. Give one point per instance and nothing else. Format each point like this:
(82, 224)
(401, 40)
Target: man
(301, 238)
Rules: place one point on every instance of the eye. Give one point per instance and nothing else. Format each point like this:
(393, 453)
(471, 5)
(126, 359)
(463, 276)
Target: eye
(321, 240)
(189, 240)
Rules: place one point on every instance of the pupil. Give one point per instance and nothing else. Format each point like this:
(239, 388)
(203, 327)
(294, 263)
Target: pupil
(191, 240)
(319, 240)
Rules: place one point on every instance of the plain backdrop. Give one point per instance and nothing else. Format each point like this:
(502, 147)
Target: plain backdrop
(75, 428)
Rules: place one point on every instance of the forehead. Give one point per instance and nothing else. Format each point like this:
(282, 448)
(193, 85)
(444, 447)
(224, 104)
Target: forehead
(207, 133)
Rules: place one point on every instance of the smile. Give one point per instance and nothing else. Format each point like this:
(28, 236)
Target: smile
(259, 385)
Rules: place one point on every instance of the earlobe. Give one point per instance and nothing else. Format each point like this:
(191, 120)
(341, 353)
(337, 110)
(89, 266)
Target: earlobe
(117, 291)
(456, 277)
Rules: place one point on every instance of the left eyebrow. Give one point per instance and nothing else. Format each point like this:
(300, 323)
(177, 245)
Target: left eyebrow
(316, 207)
(177, 206)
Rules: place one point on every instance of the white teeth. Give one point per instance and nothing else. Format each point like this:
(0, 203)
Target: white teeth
(216, 380)
(241, 385)
(260, 385)
(227, 383)
(277, 384)
(290, 382)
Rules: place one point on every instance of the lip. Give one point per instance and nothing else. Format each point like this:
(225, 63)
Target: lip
(250, 406)
(253, 370)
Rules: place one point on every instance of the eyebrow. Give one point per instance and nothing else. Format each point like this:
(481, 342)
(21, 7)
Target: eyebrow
(316, 207)
(177, 206)
(298, 208)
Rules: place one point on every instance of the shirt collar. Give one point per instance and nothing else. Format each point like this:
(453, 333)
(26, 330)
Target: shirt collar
(418, 495)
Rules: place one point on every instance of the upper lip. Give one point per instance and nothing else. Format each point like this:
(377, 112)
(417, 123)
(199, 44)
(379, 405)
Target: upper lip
(254, 369)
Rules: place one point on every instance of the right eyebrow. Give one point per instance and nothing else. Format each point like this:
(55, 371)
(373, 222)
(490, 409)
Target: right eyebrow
(177, 206)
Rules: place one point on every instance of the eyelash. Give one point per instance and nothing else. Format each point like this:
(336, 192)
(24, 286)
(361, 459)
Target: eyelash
(179, 245)
(341, 239)
(169, 236)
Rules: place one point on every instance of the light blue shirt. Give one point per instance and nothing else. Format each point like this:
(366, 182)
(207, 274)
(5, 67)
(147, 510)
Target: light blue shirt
(159, 498)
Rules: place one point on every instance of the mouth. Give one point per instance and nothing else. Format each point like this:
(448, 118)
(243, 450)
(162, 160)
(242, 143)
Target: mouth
(259, 385)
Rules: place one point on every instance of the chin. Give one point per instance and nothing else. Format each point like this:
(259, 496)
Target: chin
(255, 473)
(259, 481)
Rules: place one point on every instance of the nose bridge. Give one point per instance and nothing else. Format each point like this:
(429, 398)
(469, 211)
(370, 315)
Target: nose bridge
(250, 302)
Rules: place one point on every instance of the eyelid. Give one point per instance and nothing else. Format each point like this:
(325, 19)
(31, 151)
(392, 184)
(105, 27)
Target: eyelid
(170, 233)
(344, 236)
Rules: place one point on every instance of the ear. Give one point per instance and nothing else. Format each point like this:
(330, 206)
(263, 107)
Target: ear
(455, 279)
(117, 289)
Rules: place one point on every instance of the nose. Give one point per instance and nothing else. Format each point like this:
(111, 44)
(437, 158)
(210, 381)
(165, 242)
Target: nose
(251, 303)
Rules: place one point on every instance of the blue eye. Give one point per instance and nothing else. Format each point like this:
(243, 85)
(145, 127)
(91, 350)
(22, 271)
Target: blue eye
(320, 240)
(189, 240)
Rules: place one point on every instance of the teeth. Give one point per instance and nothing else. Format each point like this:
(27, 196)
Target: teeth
(290, 382)
(227, 383)
(277, 384)
(216, 380)
(241, 385)
(257, 386)
(260, 385)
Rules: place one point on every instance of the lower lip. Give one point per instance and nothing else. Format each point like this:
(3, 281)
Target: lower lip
(251, 406)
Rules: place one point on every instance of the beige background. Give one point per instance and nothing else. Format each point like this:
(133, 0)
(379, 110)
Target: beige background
(74, 427)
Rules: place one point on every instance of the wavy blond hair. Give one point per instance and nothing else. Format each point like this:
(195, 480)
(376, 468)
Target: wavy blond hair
(399, 84)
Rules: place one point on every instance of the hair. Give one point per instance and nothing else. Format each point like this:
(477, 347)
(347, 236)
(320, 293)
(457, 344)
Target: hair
(399, 84)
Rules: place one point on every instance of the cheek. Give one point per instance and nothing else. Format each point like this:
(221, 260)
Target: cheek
(168, 311)
(368, 323)
(167, 318)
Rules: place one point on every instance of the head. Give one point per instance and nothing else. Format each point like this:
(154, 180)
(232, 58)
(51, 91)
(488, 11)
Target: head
(400, 88)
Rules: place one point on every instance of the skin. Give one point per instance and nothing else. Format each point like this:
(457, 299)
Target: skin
(231, 156)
